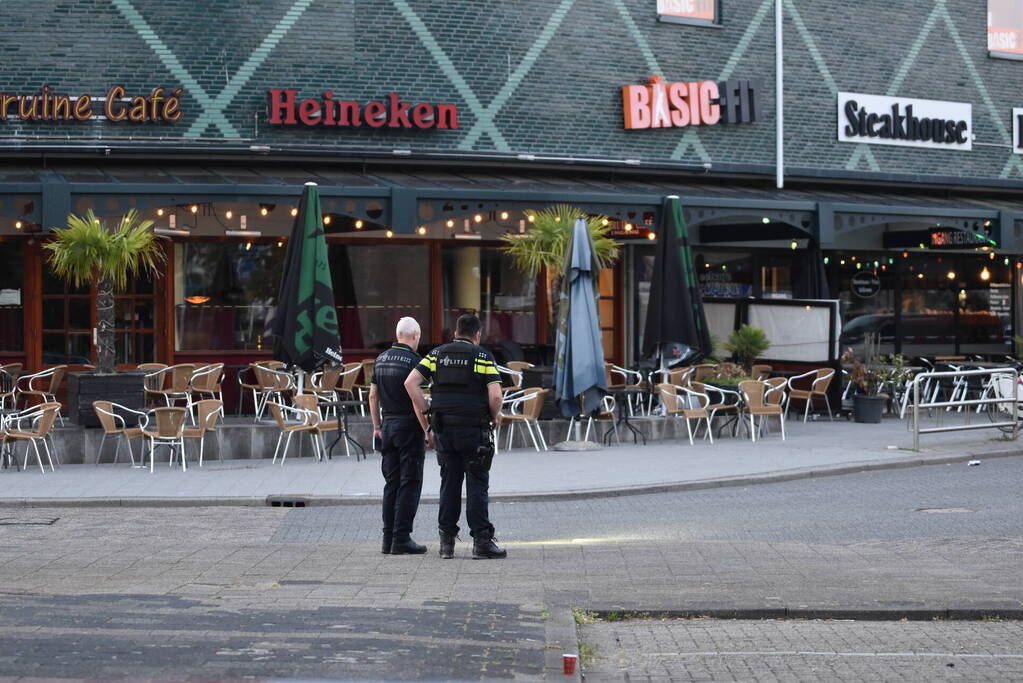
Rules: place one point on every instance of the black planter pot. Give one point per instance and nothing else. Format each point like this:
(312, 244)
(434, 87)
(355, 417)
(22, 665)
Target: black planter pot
(868, 409)
(85, 387)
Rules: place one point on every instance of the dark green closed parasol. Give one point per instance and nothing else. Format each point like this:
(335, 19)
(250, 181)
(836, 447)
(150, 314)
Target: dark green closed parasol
(305, 323)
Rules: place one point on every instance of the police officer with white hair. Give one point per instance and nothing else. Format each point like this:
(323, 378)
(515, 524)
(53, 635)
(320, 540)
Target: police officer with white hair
(402, 444)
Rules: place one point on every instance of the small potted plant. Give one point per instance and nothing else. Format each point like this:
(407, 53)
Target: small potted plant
(870, 381)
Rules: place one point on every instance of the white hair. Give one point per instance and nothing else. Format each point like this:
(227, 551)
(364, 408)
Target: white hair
(406, 327)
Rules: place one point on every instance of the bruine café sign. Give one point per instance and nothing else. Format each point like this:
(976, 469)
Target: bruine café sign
(660, 104)
(903, 121)
(286, 109)
(160, 105)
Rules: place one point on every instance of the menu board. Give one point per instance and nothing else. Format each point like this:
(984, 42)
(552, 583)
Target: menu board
(687, 9)
(1005, 26)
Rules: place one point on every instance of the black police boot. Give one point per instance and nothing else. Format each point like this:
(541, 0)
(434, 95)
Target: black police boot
(484, 548)
(385, 547)
(447, 547)
(408, 547)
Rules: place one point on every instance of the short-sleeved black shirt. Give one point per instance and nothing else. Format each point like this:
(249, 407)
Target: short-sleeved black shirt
(389, 373)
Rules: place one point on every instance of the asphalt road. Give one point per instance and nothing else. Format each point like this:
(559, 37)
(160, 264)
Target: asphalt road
(304, 593)
(938, 501)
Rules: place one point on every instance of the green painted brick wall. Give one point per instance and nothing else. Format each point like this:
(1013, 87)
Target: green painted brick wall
(530, 76)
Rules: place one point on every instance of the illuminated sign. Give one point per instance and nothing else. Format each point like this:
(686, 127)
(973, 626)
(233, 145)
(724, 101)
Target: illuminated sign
(660, 104)
(286, 109)
(160, 105)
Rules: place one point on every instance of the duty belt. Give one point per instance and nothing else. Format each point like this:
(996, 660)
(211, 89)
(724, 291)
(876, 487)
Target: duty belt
(387, 417)
(461, 421)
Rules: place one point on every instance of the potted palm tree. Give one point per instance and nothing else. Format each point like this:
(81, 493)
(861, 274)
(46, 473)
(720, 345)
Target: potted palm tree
(747, 344)
(542, 248)
(88, 251)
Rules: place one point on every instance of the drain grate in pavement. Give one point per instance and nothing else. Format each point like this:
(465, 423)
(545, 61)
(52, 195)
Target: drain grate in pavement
(943, 511)
(28, 521)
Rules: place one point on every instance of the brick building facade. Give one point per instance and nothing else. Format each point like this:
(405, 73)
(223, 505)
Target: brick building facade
(538, 90)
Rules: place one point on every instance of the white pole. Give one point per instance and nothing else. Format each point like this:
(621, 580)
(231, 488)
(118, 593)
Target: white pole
(779, 69)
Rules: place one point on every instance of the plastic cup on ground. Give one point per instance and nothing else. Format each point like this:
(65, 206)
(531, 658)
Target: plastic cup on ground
(569, 662)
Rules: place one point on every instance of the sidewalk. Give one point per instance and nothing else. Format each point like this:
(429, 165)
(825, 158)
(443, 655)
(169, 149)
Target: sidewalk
(812, 449)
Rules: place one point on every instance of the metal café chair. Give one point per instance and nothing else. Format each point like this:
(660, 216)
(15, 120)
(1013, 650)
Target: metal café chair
(112, 420)
(8, 389)
(170, 425)
(153, 381)
(818, 389)
(32, 425)
(696, 408)
(303, 422)
(273, 385)
(753, 392)
(206, 381)
(180, 388)
(209, 412)
(524, 409)
(42, 385)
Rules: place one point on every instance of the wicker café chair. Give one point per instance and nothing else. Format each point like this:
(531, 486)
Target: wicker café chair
(111, 418)
(528, 407)
(761, 371)
(170, 426)
(753, 392)
(366, 379)
(696, 407)
(207, 380)
(153, 381)
(43, 385)
(180, 384)
(8, 389)
(821, 380)
(776, 394)
(274, 385)
(209, 411)
(302, 422)
(321, 425)
(32, 425)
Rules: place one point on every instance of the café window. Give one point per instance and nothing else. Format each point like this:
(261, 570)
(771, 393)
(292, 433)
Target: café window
(224, 294)
(699, 12)
(12, 312)
(375, 286)
(484, 281)
(724, 274)
(1005, 28)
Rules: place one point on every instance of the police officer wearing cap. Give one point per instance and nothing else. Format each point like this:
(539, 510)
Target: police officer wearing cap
(402, 445)
(465, 400)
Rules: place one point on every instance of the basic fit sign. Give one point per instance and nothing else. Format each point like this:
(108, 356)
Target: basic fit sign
(904, 121)
(660, 104)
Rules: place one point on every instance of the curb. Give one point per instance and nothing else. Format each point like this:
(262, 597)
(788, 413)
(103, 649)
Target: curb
(867, 614)
(302, 500)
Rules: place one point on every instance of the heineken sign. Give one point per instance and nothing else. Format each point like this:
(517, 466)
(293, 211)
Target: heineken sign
(286, 108)
(903, 121)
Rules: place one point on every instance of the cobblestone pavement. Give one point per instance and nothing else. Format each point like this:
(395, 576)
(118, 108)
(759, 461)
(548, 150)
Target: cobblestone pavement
(724, 650)
(305, 593)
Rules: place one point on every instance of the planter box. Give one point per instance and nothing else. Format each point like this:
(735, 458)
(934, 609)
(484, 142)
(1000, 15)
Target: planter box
(85, 387)
(868, 409)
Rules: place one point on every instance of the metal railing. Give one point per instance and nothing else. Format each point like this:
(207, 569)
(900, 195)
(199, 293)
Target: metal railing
(994, 373)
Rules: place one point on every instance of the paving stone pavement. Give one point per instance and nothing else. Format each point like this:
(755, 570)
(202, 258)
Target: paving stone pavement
(234, 592)
(797, 650)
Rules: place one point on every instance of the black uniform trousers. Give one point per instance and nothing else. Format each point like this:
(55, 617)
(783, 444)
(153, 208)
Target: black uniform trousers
(403, 448)
(454, 446)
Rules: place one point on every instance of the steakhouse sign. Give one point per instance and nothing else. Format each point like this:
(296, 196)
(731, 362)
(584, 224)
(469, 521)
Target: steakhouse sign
(676, 105)
(287, 110)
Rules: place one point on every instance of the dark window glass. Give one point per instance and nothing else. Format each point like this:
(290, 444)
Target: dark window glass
(224, 294)
(724, 274)
(484, 281)
(12, 314)
(79, 313)
(867, 295)
(375, 286)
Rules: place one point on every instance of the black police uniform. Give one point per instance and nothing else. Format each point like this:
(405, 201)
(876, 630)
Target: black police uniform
(460, 415)
(403, 446)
